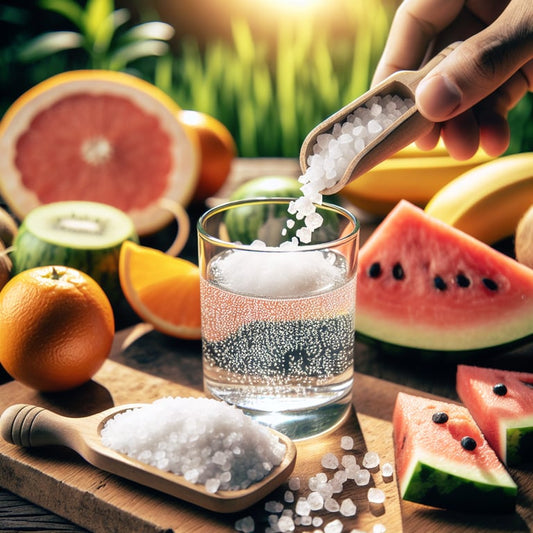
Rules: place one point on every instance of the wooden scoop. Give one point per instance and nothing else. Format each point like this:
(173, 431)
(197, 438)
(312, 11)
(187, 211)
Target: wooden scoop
(403, 131)
(32, 426)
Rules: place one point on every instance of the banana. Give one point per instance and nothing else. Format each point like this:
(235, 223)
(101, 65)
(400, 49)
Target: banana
(489, 200)
(411, 174)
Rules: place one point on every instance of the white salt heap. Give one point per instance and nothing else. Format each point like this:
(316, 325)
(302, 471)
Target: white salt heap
(204, 440)
(333, 152)
(285, 274)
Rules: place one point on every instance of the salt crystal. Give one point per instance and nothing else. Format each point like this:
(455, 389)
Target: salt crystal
(348, 460)
(374, 127)
(334, 527)
(330, 461)
(304, 234)
(212, 485)
(336, 485)
(340, 475)
(315, 501)
(294, 483)
(245, 525)
(376, 495)
(371, 460)
(285, 524)
(288, 496)
(317, 521)
(379, 528)
(302, 507)
(387, 470)
(273, 507)
(347, 443)
(348, 507)
(331, 505)
(306, 520)
(362, 477)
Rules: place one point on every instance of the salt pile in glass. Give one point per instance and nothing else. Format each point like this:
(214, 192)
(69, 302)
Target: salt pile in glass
(206, 441)
(333, 152)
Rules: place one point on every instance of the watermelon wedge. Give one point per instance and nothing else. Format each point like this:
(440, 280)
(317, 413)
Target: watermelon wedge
(501, 403)
(423, 284)
(443, 460)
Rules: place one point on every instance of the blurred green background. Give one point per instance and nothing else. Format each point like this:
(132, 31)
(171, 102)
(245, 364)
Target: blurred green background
(270, 70)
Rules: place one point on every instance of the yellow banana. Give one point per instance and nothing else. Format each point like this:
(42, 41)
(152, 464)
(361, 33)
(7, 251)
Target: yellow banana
(411, 174)
(488, 201)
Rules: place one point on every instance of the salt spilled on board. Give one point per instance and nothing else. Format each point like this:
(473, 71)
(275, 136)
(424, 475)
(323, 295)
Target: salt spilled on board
(206, 441)
(333, 152)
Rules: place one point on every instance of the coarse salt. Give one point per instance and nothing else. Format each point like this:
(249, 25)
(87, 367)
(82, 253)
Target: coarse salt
(206, 441)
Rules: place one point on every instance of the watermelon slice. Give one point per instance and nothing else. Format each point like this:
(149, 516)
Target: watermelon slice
(426, 285)
(443, 460)
(501, 402)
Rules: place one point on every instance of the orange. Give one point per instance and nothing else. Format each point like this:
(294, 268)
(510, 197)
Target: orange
(163, 290)
(217, 152)
(100, 136)
(56, 328)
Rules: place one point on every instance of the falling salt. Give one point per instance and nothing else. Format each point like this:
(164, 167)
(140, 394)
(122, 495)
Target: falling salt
(207, 441)
(376, 495)
(333, 152)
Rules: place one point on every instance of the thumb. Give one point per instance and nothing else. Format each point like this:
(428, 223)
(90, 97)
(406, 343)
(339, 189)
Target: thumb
(479, 66)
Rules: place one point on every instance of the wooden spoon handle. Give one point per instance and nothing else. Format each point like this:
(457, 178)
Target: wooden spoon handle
(32, 426)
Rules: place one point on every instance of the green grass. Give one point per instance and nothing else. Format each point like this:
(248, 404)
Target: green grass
(270, 97)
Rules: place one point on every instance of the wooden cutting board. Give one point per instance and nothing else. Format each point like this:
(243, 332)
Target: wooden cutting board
(57, 479)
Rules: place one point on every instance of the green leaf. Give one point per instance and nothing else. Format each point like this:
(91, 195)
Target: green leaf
(148, 31)
(98, 13)
(124, 55)
(49, 43)
(67, 8)
(104, 34)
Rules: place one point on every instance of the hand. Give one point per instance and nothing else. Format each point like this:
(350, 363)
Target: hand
(469, 94)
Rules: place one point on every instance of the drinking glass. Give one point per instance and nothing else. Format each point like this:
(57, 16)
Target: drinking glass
(278, 317)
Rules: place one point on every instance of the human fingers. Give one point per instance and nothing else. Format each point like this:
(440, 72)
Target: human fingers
(415, 24)
(480, 65)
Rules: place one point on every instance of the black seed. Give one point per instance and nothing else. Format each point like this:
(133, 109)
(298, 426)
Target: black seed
(440, 283)
(468, 443)
(500, 389)
(397, 271)
(439, 417)
(375, 270)
(490, 284)
(462, 281)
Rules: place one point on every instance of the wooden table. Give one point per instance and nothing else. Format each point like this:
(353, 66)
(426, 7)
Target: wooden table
(180, 363)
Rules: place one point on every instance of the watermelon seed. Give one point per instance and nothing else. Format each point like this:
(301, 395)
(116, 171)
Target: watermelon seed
(397, 271)
(462, 281)
(439, 417)
(490, 284)
(500, 389)
(375, 270)
(468, 443)
(440, 284)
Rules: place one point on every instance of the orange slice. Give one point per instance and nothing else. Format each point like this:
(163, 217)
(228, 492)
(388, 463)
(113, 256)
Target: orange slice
(100, 136)
(163, 290)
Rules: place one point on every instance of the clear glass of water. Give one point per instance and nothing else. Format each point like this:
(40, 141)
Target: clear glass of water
(278, 319)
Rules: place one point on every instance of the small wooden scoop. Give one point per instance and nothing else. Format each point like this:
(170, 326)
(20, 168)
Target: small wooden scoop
(406, 129)
(32, 426)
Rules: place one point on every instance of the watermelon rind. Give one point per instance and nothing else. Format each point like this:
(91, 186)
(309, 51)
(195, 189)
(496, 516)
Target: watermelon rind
(439, 482)
(505, 420)
(38, 243)
(435, 468)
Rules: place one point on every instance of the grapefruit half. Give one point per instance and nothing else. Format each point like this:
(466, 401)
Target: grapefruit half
(100, 136)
